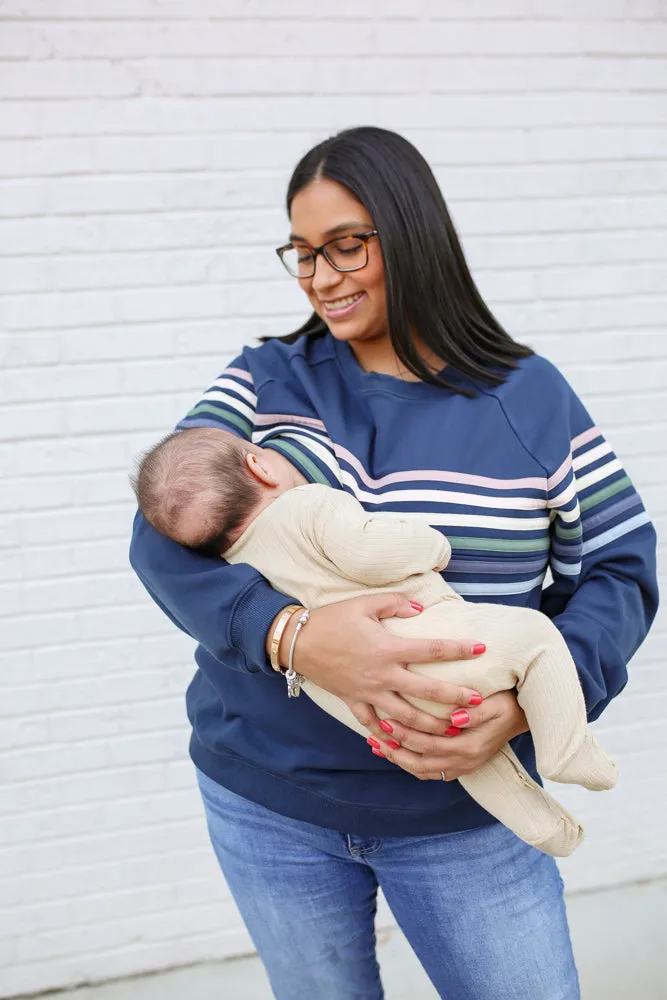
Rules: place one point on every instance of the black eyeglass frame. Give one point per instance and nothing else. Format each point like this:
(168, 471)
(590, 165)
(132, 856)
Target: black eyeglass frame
(364, 237)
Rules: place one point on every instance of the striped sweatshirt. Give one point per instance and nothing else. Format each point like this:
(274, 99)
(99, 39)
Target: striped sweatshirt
(537, 508)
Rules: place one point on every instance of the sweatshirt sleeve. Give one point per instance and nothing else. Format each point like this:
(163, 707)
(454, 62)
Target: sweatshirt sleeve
(228, 609)
(604, 593)
(377, 551)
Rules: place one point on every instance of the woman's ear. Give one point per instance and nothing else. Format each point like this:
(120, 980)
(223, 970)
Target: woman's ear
(260, 469)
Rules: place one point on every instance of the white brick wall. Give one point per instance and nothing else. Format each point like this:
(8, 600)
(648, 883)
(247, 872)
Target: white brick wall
(139, 140)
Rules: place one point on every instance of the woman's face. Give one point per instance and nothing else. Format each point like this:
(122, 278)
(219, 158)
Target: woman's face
(352, 304)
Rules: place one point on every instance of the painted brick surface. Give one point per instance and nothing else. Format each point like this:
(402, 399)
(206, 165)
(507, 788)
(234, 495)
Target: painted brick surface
(145, 146)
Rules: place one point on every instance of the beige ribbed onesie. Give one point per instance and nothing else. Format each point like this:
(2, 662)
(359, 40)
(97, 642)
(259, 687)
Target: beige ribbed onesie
(319, 545)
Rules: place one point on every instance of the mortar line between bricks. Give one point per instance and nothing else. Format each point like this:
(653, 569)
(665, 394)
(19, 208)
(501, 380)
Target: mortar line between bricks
(455, 202)
(531, 233)
(96, 837)
(392, 51)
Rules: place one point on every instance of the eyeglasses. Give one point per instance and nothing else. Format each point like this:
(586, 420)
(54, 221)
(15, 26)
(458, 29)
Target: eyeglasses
(344, 253)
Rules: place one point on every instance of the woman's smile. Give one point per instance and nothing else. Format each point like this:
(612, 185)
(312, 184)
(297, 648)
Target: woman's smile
(339, 308)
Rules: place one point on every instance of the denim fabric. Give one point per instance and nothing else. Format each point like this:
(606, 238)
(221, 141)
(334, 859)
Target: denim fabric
(483, 911)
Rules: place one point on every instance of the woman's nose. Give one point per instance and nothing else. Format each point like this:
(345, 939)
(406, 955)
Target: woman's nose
(325, 275)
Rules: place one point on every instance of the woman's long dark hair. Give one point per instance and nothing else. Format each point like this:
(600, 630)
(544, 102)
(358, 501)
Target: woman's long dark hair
(430, 289)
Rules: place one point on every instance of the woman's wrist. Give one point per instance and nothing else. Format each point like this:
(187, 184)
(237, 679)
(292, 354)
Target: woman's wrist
(287, 628)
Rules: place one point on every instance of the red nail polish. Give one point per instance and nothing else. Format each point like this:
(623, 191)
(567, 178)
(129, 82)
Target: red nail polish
(460, 718)
(372, 742)
(416, 605)
(387, 726)
(377, 753)
(478, 648)
(452, 731)
(393, 744)
(475, 699)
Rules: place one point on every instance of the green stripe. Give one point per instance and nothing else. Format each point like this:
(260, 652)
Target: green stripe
(499, 544)
(280, 444)
(575, 532)
(604, 494)
(225, 413)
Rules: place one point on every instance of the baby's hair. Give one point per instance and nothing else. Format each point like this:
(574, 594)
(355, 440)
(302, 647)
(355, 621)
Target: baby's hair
(199, 471)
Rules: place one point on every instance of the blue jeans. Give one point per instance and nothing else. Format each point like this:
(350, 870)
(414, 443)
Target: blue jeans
(483, 911)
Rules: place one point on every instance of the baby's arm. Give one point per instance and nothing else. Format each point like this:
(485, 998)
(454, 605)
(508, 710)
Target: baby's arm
(380, 550)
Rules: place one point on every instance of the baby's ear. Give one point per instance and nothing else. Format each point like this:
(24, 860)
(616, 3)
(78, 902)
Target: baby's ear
(259, 469)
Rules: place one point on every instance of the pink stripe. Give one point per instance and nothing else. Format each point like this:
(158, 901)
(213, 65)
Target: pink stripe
(560, 474)
(286, 418)
(585, 437)
(436, 476)
(239, 373)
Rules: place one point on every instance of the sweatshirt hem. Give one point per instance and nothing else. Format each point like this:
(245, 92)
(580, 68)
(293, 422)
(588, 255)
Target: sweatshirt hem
(288, 798)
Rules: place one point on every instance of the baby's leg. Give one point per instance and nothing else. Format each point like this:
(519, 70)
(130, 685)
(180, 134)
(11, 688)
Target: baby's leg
(502, 786)
(524, 650)
(505, 789)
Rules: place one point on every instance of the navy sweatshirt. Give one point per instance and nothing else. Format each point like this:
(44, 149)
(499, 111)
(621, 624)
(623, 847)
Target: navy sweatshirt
(519, 479)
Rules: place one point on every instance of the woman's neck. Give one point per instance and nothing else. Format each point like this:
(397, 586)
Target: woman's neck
(379, 356)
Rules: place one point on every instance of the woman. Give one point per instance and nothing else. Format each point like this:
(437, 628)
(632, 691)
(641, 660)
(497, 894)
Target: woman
(403, 389)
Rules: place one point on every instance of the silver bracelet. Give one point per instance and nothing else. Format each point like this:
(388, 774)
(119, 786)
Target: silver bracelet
(294, 680)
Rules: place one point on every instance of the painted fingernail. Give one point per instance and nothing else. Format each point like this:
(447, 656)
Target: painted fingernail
(460, 718)
(478, 648)
(377, 753)
(393, 744)
(372, 742)
(416, 605)
(387, 726)
(475, 699)
(452, 731)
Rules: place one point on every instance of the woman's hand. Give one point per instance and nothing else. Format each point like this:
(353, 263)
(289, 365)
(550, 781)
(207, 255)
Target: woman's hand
(469, 744)
(345, 650)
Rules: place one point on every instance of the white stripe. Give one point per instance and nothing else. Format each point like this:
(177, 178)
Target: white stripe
(588, 457)
(229, 383)
(442, 496)
(320, 451)
(565, 569)
(231, 402)
(616, 532)
(564, 498)
(308, 441)
(470, 520)
(570, 516)
(597, 475)
(522, 587)
(303, 433)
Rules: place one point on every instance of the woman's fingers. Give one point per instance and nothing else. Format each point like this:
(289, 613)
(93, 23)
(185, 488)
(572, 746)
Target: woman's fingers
(430, 650)
(381, 606)
(412, 739)
(422, 767)
(365, 715)
(461, 757)
(413, 685)
(393, 706)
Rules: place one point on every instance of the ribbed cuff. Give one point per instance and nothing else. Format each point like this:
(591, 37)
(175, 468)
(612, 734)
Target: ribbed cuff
(252, 617)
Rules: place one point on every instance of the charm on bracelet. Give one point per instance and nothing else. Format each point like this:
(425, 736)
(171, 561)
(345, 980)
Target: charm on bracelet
(295, 680)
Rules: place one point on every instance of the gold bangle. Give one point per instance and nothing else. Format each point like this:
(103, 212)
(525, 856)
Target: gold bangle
(281, 625)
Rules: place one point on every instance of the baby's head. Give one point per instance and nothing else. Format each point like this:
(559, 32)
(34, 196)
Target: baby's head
(196, 487)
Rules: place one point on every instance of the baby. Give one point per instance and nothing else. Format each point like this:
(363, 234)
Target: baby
(210, 490)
